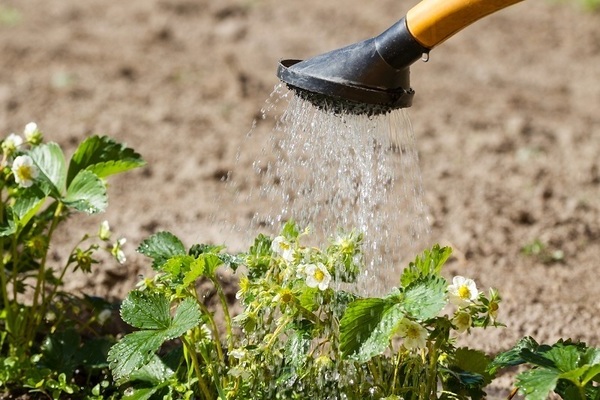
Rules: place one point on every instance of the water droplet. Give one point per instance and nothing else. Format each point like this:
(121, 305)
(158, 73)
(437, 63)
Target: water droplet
(425, 57)
(339, 171)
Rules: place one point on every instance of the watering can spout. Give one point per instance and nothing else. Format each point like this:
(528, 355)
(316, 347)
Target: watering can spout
(373, 76)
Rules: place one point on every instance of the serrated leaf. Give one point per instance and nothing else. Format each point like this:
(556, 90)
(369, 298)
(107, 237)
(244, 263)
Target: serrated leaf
(536, 384)
(51, 163)
(197, 269)
(513, 357)
(379, 338)
(425, 298)
(474, 361)
(566, 358)
(160, 247)
(87, 193)
(359, 321)
(154, 372)
(145, 310)
(187, 316)
(27, 205)
(103, 156)
(149, 311)
(134, 351)
(176, 266)
(428, 264)
(296, 347)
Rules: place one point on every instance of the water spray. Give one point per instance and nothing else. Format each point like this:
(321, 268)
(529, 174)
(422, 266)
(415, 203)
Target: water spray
(373, 76)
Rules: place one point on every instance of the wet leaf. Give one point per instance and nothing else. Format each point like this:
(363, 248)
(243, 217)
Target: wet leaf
(146, 310)
(87, 193)
(357, 326)
(133, 351)
(428, 264)
(536, 384)
(160, 247)
(425, 298)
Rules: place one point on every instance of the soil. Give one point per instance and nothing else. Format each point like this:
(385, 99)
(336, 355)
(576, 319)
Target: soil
(505, 117)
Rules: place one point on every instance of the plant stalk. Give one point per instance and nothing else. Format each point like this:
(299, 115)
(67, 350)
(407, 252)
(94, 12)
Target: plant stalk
(196, 366)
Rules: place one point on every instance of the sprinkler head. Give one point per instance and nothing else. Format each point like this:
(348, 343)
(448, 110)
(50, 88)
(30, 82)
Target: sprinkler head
(369, 77)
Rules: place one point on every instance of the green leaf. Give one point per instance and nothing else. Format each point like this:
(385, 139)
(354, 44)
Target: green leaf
(425, 298)
(379, 338)
(176, 266)
(472, 361)
(103, 156)
(51, 163)
(138, 348)
(27, 205)
(428, 264)
(366, 324)
(566, 358)
(155, 372)
(134, 351)
(197, 269)
(593, 371)
(512, 357)
(187, 316)
(59, 351)
(146, 310)
(536, 384)
(87, 193)
(141, 393)
(160, 247)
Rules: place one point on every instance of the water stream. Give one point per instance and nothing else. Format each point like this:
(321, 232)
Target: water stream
(339, 172)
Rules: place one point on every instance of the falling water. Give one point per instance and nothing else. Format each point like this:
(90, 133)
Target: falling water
(341, 171)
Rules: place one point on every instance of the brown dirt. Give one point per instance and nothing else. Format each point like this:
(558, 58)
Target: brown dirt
(506, 120)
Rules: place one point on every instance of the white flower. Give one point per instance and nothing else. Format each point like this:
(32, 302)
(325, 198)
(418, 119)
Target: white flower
(32, 133)
(463, 291)
(238, 353)
(117, 251)
(25, 171)
(413, 334)
(104, 232)
(317, 276)
(104, 315)
(283, 248)
(11, 143)
(463, 321)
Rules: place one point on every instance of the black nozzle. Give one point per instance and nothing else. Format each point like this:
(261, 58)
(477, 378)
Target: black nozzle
(372, 76)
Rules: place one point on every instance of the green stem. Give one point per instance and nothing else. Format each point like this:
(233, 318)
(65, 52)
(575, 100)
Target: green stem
(215, 330)
(228, 324)
(196, 366)
(3, 277)
(50, 298)
(41, 278)
(396, 368)
(432, 372)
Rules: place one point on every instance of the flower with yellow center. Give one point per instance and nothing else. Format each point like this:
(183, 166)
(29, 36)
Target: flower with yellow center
(317, 276)
(462, 321)
(11, 143)
(244, 284)
(413, 334)
(282, 247)
(32, 133)
(284, 296)
(463, 291)
(25, 171)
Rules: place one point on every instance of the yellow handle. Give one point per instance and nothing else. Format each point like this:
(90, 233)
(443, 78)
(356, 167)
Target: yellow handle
(433, 21)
